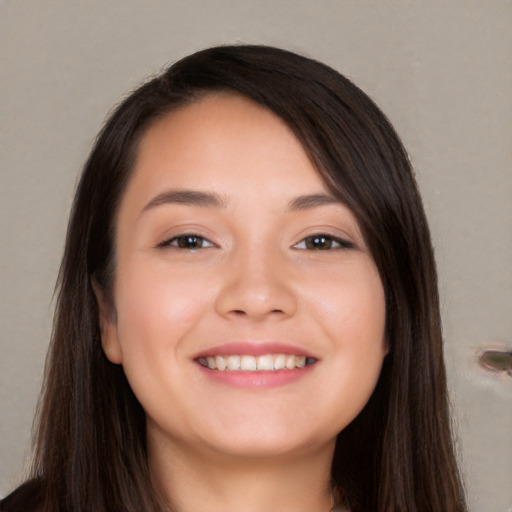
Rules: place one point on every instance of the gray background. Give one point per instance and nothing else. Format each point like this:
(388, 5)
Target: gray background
(442, 72)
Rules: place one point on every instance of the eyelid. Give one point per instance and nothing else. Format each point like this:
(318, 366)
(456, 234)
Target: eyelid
(337, 242)
(342, 243)
(168, 242)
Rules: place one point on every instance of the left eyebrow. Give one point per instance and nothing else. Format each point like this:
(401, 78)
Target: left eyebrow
(311, 201)
(188, 197)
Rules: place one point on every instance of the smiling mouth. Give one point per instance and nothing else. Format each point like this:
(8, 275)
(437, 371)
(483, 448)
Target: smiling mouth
(248, 363)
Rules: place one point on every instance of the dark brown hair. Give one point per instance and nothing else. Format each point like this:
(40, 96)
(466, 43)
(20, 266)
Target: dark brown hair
(397, 455)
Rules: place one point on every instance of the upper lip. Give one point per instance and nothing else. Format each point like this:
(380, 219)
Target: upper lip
(254, 348)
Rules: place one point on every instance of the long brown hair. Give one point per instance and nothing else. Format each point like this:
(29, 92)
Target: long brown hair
(397, 455)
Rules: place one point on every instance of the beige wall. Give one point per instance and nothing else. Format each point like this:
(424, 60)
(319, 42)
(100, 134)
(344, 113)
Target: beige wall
(442, 72)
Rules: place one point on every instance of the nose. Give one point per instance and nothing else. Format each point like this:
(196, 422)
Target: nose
(256, 287)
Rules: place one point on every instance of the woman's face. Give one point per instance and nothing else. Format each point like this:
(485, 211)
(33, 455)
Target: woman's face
(230, 251)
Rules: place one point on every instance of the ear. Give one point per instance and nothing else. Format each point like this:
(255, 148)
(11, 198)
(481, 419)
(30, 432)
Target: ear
(385, 346)
(108, 326)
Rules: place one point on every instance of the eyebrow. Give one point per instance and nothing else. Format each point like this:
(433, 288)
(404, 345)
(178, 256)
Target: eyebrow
(311, 201)
(213, 200)
(188, 197)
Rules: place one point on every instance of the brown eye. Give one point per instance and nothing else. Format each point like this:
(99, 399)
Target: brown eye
(323, 243)
(318, 242)
(187, 241)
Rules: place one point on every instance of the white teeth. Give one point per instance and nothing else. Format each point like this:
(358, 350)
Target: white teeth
(279, 362)
(220, 362)
(267, 362)
(248, 363)
(290, 362)
(234, 362)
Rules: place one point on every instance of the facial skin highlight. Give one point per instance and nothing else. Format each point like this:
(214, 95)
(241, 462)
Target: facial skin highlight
(226, 234)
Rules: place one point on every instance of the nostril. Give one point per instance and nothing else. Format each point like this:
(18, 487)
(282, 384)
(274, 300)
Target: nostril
(242, 312)
(256, 298)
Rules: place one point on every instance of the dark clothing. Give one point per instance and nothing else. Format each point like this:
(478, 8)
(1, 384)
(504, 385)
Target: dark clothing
(26, 498)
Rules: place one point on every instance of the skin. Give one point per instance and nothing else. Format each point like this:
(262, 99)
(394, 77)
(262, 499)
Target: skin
(252, 279)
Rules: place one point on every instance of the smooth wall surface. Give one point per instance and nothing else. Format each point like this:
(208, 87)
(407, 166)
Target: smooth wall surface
(442, 72)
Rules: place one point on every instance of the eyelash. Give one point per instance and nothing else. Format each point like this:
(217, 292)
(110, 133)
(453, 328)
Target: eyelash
(181, 241)
(174, 242)
(322, 238)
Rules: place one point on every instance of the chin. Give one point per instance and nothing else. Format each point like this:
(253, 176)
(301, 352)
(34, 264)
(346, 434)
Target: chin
(270, 441)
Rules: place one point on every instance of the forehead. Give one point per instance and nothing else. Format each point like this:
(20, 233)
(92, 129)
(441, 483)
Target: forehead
(224, 141)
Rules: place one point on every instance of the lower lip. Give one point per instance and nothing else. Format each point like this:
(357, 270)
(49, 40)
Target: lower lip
(257, 379)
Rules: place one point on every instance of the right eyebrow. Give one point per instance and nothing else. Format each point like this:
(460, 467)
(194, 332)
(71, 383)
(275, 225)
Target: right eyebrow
(312, 201)
(188, 197)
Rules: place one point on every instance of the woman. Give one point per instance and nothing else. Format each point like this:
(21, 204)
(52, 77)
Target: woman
(248, 313)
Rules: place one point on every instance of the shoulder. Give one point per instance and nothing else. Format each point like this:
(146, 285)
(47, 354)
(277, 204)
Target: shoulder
(26, 498)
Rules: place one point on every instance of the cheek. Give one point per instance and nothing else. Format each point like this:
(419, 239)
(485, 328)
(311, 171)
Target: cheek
(155, 309)
(361, 327)
(156, 312)
(350, 305)
(350, 310)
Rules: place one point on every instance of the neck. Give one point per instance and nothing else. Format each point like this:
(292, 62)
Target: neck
(191, 482)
